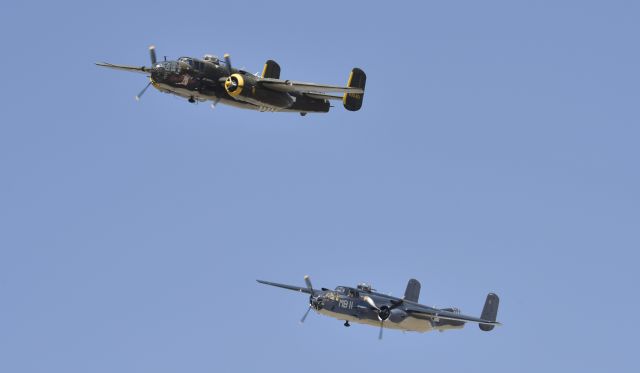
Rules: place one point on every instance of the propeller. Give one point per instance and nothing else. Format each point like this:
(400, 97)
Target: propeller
(231, 83)
(305, 315)
(383, 312)
(307, 281)
(227, 60)
(152, 54)
(143, 91)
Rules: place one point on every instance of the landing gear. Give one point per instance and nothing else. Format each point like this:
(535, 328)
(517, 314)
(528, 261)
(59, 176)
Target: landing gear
(192, 100)
(303, 114)
(346, 324)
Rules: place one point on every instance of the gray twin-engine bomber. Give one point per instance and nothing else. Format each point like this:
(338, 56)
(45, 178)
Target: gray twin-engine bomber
(217, 81)
(364, 305)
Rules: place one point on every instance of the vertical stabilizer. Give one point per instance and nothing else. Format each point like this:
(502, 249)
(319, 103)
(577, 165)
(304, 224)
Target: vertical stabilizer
(413, 291)
(357, 79)
(271, 70)
(489, 311)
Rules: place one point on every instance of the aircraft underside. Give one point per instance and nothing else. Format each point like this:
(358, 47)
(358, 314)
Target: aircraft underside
(223, 99)
(411, 324)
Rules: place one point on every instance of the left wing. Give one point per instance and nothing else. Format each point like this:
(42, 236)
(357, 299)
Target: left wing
(303, 87)
(135, 69)
(290, 287)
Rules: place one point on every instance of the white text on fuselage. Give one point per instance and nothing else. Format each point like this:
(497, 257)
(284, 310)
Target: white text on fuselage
(346, 304)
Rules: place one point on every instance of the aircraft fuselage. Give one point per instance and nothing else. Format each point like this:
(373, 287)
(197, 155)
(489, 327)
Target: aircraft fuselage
(200, 81)
(350, 304)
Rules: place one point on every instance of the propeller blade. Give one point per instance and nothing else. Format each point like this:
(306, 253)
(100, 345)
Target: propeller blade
(305, 315)
(381, 328)
(227, 60)
(371, 302)
(308, 282)
(143, 91)
(152, 54)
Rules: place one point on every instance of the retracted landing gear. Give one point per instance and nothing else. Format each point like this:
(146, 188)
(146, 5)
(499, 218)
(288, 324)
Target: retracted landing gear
(346, 324)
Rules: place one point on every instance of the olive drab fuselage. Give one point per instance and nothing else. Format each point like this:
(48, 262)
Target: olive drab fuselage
(202, 80)
(212, 79)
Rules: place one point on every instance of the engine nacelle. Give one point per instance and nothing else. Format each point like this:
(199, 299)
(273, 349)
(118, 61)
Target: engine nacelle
(397, 315)
(245, 87)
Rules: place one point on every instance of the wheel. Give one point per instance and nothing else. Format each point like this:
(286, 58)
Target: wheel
(303, 114)
(192, 100)
(346, 324)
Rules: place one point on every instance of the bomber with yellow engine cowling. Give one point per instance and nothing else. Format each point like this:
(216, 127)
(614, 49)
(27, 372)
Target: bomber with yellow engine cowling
(216, 80)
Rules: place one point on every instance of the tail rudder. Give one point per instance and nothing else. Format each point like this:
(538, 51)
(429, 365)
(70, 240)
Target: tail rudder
(357, 79)
(271, 70)
(412, 293)
(489, 311)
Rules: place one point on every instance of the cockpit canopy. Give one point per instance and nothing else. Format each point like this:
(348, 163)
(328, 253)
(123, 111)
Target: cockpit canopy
(193, 63)
(351, 292)
(211, 58)
(169, 66)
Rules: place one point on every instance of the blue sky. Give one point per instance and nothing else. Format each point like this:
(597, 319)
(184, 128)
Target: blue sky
(497, 150)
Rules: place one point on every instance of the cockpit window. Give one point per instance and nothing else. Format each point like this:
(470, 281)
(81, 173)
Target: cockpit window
(169, 66)
(211, 58)
(193, 63)
(340, 289)
(352, 293)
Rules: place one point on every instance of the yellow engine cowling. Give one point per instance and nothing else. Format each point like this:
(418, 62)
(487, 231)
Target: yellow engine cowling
(234, 85)
(245, 87)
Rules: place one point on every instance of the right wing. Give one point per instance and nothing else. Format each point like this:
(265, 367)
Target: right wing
(435, 314)
(322, 96)
(135, 69)
(290, 287)
(304, 87)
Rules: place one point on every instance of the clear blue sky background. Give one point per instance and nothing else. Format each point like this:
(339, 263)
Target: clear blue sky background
(497, 150)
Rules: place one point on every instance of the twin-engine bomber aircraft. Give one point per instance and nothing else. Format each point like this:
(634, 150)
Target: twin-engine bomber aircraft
(364, 305)
(215, 80)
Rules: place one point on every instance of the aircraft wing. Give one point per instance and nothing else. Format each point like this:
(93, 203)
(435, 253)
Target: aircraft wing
(290, 287)
(302, 87)
(135, 69)
(322, 96)
(434, 313)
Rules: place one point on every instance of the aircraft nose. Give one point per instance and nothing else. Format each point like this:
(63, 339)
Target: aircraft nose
(317, 302)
